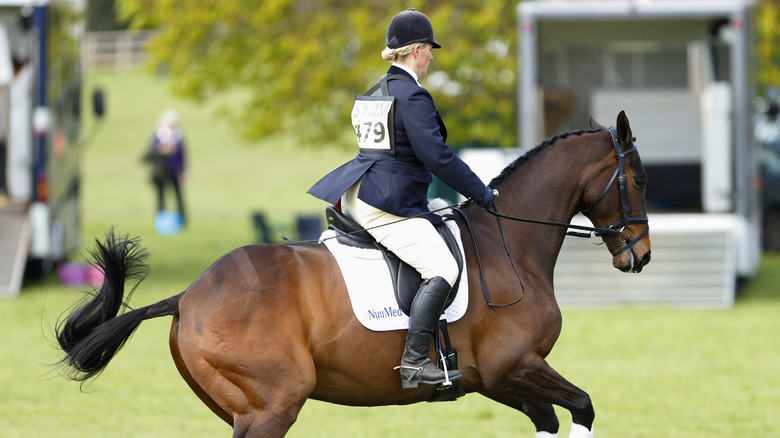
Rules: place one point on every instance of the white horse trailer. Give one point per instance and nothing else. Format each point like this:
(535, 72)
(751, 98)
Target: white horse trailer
(682, 71)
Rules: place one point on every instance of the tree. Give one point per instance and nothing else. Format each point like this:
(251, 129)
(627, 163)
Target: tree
(768, 50)
(101, 16)
(298, 63)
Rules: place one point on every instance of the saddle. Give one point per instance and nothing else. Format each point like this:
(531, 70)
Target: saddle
(406, 282)
(406, 279)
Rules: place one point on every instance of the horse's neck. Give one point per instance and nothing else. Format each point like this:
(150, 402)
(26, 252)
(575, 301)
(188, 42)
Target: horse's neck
(549, 187)
(546, 188)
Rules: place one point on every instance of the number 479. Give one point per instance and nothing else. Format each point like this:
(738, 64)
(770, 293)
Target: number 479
(376, 131)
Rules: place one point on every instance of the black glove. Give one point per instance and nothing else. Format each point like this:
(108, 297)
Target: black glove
(487, 197)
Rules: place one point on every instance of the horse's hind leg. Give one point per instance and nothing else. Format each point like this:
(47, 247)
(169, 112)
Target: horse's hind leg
(258, 401)
(534, 385)
(268, 405)
(541, 414)
(262, 385)
(185, 373)
(262, 399)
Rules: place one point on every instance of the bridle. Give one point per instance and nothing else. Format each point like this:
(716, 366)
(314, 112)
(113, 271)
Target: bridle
(623, 223)
(617, 228)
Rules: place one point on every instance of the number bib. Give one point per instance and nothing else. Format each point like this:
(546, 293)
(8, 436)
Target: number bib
(372, 118)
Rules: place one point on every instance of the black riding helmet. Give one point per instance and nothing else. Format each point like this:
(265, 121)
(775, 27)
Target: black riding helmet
(410, 26)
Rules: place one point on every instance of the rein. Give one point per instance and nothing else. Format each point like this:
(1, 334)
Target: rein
(616, 228)
(490, 302)
(598, 231)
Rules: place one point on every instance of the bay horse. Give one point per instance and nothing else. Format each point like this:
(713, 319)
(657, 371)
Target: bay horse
(267, 327)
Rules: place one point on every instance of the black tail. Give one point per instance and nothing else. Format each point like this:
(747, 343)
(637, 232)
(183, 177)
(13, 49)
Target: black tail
(91, 333)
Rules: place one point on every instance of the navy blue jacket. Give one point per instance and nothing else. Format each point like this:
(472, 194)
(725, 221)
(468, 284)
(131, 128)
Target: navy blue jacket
(397, 186)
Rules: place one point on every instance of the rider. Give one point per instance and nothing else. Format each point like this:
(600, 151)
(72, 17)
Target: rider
(402, 141)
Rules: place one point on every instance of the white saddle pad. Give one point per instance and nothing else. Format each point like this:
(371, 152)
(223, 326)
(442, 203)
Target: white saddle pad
(371, 289)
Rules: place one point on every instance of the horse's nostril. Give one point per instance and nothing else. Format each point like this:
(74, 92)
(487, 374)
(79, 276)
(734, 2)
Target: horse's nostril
(646, 258)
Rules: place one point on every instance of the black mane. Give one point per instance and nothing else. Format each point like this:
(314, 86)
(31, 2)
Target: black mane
(528, 155)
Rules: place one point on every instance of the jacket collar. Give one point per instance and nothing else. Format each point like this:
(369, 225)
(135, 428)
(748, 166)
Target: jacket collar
(396, 69)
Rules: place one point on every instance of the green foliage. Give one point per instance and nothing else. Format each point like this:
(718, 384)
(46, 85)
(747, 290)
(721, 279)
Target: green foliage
(298, 64)
(101, 16)
(768, 44)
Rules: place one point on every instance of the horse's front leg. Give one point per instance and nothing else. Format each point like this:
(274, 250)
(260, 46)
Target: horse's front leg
(533, 386)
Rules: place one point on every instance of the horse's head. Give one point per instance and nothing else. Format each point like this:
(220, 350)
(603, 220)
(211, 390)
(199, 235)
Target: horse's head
(615, 198)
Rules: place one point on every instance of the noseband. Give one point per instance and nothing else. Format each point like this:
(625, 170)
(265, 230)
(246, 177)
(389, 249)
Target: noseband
(621, 225)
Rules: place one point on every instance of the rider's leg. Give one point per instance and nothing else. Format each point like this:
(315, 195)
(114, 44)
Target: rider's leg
(416, 242)
(426, 309)
(413, 240)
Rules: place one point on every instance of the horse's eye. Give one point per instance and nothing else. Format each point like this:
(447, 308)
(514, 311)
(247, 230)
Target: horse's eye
(640, 181)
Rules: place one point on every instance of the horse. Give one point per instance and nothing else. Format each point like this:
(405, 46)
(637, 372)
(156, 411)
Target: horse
(267, 327)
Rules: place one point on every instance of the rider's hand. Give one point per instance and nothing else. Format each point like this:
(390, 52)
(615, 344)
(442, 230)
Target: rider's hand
(487, 197)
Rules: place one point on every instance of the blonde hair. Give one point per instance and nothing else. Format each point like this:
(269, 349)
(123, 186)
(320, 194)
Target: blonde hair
(391, 55)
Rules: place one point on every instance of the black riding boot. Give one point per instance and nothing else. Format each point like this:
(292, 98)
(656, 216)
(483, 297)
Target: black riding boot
(426, 309)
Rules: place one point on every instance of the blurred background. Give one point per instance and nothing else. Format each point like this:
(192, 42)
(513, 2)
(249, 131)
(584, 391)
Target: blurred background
(262, 91)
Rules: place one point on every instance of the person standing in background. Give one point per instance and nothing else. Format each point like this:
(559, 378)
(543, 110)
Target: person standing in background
(166, 156)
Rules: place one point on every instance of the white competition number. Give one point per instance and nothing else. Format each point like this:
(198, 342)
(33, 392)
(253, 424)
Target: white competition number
(370, 117)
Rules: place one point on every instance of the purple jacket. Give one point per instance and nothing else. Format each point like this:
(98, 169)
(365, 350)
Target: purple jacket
(172, 162)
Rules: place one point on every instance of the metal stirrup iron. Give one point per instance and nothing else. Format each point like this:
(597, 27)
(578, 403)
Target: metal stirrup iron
(447, 382)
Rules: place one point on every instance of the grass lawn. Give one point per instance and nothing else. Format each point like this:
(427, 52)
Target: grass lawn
(662, 372)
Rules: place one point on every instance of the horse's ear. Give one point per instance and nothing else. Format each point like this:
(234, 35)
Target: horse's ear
(594, 124)
(624, 129)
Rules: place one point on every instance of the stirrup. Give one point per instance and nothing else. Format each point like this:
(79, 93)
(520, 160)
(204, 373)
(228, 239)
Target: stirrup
(447, 382)
(415, 378)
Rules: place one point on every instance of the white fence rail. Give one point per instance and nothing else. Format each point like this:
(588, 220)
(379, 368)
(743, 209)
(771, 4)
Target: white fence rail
(115, 49)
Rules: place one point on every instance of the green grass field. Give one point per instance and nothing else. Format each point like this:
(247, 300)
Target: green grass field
(662, 372)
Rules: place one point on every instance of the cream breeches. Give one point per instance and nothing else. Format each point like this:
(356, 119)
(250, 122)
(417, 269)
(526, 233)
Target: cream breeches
(413, 240)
